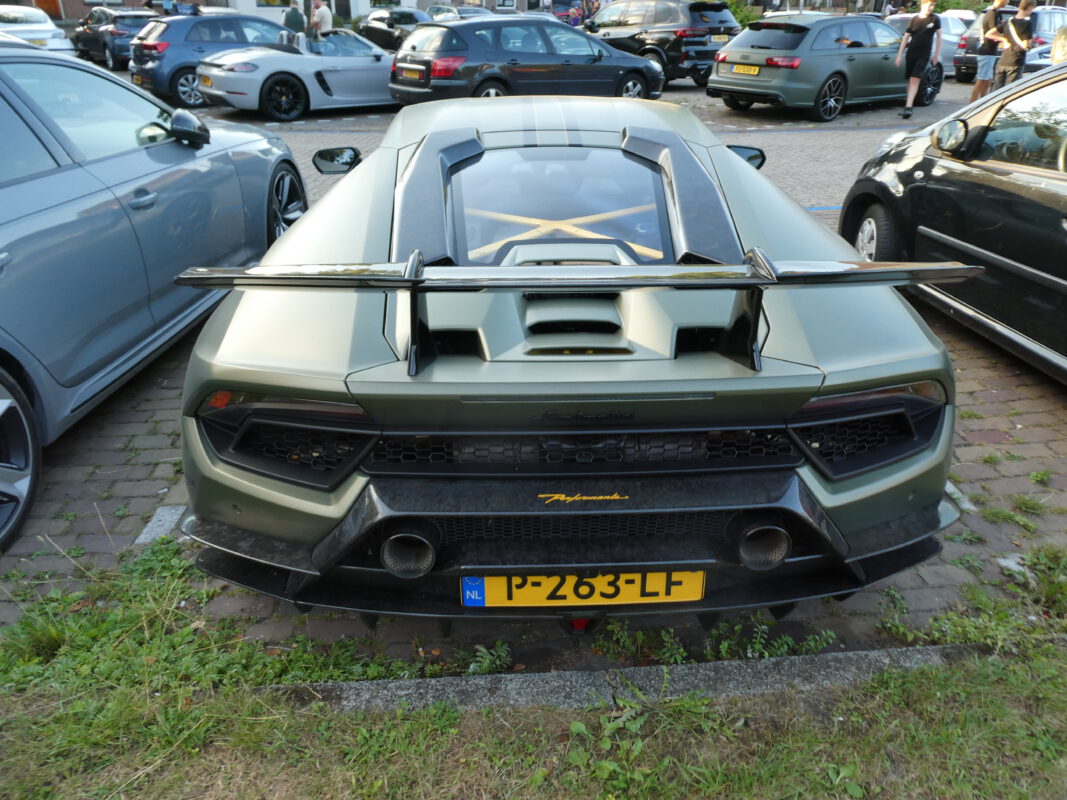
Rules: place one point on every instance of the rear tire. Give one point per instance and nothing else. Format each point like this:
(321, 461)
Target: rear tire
(283, 98)
(110, 61)
(184, 87)
(964, 77)
(632, 85)
(700, 77)
(735, 103)
(490, 89)
(876, 237)
(830, 99)
(20, 458)
(286, 202)
(929, 89)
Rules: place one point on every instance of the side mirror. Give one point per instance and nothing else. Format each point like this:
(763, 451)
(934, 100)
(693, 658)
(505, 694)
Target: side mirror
(337, 160)
(949, 138)
(591, 26)
(377, 55)
(187, 128)
(598, 56)
(390, 24)
(753, 155)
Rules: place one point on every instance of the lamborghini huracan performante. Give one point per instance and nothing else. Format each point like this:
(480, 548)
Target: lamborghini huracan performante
(563, 357)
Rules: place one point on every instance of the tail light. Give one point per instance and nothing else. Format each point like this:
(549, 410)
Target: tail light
(720, 56)
(962, 43)
(1037, 41)
(691, 33)
(735, 30)
(154, 47)
(392, 69)
(446, 67)
(116, 32)
(785, 62)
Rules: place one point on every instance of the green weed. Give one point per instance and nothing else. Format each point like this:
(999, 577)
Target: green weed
(1042, 477)
(752, 639)
(969, 563)
(965, 537)
(991, 459)
(968, 414)
(653, 646)
(1028, 504)
(998, 515)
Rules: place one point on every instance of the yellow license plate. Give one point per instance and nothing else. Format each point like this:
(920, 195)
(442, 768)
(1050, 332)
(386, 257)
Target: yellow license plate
(410, 73)
(137, 79)
(205, 80)
(571, 590)
(38, 42)
(745, 69)
(720, 37)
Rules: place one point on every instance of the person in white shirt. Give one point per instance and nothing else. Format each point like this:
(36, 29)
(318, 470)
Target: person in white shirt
(321, 18)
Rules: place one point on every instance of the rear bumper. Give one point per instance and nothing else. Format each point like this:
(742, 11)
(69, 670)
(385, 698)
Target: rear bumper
(500, 527)
(441, 89)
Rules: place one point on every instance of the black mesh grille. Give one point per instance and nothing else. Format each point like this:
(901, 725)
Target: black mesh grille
(838, 441)
(314, 448)
(579, 527)
(592, 451)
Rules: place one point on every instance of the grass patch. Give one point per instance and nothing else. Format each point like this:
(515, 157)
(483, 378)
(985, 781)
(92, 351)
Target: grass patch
(991, 458)
(965, 537)
(969, 563)
(968, 414)
(734, 641)
(1040, 477)
(653, 646)
(1028, 504)
(998, 515)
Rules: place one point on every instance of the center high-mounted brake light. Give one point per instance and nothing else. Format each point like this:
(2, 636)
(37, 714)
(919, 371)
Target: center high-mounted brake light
(446, 67)
(785, 62)
(691, 33)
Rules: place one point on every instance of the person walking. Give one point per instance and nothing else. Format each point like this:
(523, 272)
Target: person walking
(1014, 37)
(987, 53)
(294, 18)
(922, 40)
(321, 18)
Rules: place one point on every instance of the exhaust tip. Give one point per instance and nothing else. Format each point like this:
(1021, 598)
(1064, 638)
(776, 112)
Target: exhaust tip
(764, 547)
(408, 554)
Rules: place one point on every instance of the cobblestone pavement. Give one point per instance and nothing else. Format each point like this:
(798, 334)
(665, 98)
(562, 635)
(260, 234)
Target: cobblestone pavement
(116, 475)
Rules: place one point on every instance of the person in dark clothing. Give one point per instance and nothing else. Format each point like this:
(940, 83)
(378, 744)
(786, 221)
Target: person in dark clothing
(988, 51)
(922, 40)
(1014, 37)
(294, 18)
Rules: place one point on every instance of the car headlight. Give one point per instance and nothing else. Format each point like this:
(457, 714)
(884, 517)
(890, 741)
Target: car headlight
(309, 442)
(242, 66)
(847, 434)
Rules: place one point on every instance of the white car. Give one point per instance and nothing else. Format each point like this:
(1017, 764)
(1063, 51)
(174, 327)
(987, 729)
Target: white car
(34, 26)
(284, 80)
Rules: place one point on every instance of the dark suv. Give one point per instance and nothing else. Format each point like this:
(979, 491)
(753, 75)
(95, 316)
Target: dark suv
(106, 33)
(683, 37)
(163, 56)
(388, 27)
(1044, 21)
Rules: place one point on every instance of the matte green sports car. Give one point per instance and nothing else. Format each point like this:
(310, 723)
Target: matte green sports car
(563, 357)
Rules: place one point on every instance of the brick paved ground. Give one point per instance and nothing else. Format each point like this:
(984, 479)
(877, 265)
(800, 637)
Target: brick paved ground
(117, 469)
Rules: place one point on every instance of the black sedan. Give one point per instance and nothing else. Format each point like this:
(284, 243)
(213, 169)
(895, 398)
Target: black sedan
(497, 56)
(986, 186)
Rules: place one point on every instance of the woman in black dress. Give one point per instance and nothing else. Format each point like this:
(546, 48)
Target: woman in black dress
(922, 40)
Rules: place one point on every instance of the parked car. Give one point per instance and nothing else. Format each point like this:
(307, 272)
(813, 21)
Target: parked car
(443, 12)
(388, 27)
(576, 376)
(814, 61)
(1044, 21)
(501, 55)
(106, 194)
(952, 30)
(682, 37)
(34, 26)
(987, 185)
(105, 34)
(164, 55)
(1037, 58)
(282, 81)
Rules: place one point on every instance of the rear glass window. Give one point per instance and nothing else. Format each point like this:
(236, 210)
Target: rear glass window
(409, 17)
(770, 36)
(506, 198)
(133, 23)
(432, 39)
(10, 15)
(153, 31)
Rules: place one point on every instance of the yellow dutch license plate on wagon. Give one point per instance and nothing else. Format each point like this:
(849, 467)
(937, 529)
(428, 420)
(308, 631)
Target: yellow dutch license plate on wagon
(410, 73)
(720, 37)
(745, 69)
(205, 80)
(137, 79)
(614, 588)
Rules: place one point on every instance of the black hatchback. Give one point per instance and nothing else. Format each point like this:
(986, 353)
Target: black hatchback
(682, 37)
(495, 56)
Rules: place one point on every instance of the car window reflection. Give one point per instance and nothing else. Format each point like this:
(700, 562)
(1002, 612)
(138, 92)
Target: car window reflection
(1030, 130)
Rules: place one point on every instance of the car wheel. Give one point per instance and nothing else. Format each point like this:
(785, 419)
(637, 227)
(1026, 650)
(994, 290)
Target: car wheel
(876, 236)
(109, 59)
(286, 202)
(20, 458)
(736, 103)
(964, 77)
(652, 55)
(632, 86)
(185, 88)
(491, 89)
(81, 52)
(830, 99)
(700, 77)
(930, 86)
(283, 98)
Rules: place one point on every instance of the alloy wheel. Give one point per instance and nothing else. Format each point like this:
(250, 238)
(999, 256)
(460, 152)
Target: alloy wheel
(284, 98)
(287, 202)
(867, 239)
(186, 88)
(19, 454)
(109, 59)
(632, 87)
(832, 98)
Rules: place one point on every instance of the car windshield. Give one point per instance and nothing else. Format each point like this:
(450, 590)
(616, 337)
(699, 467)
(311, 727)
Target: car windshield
(23, 16)
(538, 194)
(412, 17)
(770, 36)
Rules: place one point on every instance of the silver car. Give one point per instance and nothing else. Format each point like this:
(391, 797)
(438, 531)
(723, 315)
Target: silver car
(34, 26)
(106, 194)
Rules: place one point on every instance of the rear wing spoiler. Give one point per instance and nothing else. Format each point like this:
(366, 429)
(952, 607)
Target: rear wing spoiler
(754, 275)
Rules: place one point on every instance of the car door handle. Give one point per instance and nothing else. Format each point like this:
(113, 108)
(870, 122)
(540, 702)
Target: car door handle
(513, 61)
(143, 200)
(850, 58)
(886, 57)
(5, 259)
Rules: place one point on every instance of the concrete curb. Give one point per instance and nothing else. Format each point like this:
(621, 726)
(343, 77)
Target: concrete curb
(587, 689)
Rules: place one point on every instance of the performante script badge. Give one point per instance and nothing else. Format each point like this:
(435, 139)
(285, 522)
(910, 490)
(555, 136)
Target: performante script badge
(570, 498)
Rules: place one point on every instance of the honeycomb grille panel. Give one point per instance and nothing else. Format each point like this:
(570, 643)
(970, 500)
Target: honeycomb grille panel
(837, 441)
(592, 451)
(317, 449)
